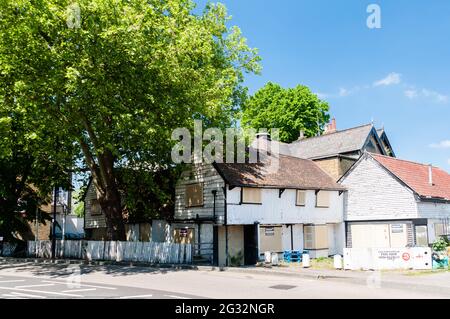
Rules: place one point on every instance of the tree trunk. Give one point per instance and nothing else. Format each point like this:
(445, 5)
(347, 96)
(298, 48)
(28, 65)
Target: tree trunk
(111, 206)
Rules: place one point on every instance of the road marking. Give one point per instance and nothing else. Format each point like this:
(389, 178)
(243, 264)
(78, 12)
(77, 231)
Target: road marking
(131, 297)
(5, 281)
(41, 291)
(40, 285)
(12, 296)
(80, 290)
(28, 295)
(177, 297)
(80, 285)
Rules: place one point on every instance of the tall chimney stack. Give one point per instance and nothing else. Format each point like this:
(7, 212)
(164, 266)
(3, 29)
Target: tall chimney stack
(430, 174)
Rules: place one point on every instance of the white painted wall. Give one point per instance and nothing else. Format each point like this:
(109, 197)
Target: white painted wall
(374, 194)
(276, 210)
(297, 232)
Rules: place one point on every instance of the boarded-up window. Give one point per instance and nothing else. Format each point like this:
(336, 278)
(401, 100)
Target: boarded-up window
(270, 238)
(194, 195)
(323, 199)
(301, 198)
(316, 237)
(251, 195)
(441, 229)
(95, 207)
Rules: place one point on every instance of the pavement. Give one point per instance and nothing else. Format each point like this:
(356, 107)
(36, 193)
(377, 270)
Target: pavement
(131, 281)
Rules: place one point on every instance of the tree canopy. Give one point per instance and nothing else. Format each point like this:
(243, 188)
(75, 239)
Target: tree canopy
(291, 110)
(112, 78)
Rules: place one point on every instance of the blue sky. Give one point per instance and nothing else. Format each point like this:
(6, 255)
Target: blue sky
(398, 75)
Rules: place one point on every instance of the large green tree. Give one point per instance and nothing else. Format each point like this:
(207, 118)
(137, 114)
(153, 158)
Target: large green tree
(291, 110)
(116, 76)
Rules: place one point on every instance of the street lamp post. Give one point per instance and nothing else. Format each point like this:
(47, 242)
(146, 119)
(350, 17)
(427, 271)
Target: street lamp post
(54, 224)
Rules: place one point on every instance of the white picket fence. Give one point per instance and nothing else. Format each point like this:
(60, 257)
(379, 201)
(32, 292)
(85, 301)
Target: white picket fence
(150, 252)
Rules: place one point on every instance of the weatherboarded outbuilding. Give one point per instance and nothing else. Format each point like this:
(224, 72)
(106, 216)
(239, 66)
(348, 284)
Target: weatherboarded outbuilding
(395, 203)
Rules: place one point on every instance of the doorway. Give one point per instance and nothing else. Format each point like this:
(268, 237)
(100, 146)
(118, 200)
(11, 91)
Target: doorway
(250, 244)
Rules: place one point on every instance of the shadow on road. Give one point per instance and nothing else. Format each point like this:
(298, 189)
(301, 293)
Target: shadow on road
(65, 270)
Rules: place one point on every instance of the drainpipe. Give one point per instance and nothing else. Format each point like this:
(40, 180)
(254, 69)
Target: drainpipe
(214, 192)
(292, 237)
(226, 225)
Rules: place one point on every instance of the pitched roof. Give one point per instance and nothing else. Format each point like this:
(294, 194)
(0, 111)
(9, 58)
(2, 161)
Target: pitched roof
(415, 176)
(292, 172)
(349, 140)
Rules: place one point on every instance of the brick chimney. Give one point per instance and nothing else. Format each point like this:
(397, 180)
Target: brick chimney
(301, 135)
(330, 127)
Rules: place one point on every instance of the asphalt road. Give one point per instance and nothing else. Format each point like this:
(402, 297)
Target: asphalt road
(18, 287)
(29, 280)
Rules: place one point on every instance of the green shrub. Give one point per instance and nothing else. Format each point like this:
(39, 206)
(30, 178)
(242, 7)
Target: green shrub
(440, 244)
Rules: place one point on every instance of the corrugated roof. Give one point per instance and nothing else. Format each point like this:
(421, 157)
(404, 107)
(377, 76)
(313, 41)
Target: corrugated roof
(339, 142)
(416, 176)
(292, 172)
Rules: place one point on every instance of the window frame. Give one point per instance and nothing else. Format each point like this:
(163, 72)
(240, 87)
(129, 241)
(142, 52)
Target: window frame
(296, 198)
(251, 203)
(314, 236)
(96, 202)
(186, 202)
(317, 197)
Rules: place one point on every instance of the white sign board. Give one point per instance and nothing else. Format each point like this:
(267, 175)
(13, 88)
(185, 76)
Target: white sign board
(387, 258)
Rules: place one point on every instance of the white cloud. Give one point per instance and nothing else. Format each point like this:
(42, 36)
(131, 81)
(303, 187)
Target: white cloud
(390, 79)
(411, 94)
(436, 96)
(442, 144)
(343, 92)
(321, 95)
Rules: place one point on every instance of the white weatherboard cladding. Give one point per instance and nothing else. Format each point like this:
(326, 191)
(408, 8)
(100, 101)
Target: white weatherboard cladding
(434, 210)
(374, 194)
(206, 174)
(282, 210)
(92, 221)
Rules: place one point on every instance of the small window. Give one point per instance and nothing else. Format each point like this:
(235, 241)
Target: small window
(323, 199)
(194, 195)
(316, 237)
(251, 195)
(269, 231)
(95, 207)
(301, 198)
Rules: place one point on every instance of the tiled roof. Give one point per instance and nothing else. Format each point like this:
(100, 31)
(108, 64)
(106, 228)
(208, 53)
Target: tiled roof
(416, 176)
(339, 142)
(292, 172)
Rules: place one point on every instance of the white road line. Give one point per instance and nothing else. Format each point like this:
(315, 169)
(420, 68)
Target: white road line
(41, 291)
(80, 290)
(177, 297)
(5, 281)
(12, 297)
(40, 285)
(81, 285)
(28, 295)
(132, 297)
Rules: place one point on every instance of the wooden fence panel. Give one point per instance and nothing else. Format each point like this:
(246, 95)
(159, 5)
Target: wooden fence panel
(151, 252)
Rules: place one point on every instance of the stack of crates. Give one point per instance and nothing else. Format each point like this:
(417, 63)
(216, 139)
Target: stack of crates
(293, 255)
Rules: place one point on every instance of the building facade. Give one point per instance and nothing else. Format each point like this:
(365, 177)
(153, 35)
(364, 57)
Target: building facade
(395, 203)
(233, 213)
